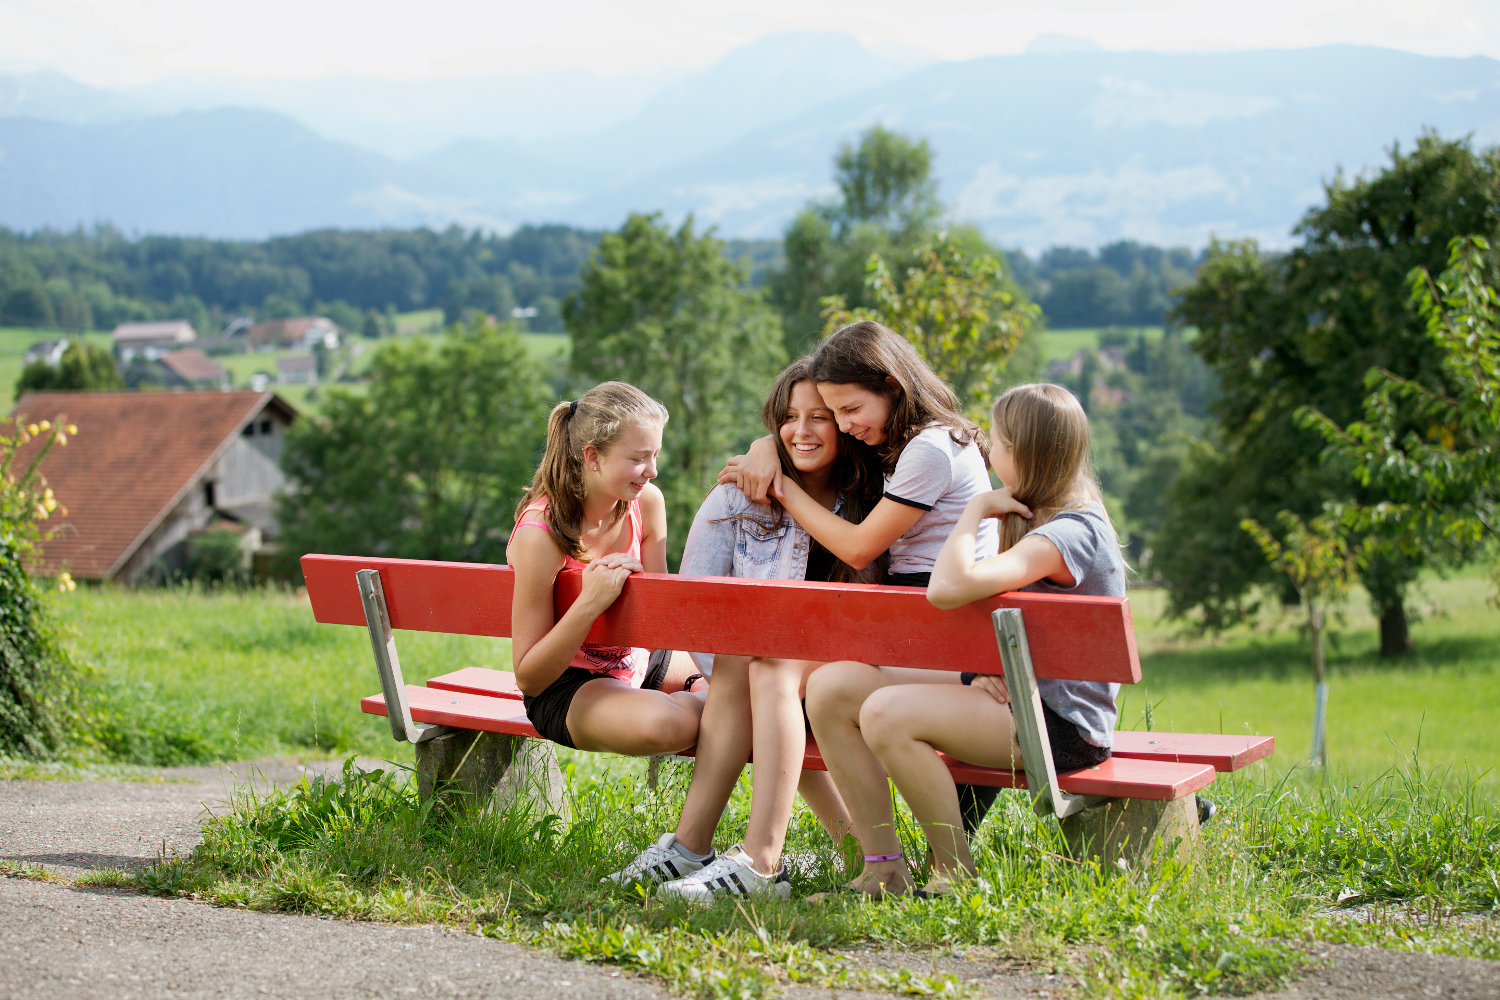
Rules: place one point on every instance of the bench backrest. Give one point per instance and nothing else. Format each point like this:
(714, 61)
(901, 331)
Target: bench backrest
(1071, 637)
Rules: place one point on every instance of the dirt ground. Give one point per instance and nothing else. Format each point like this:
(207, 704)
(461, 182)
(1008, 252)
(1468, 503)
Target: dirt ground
(58, 940)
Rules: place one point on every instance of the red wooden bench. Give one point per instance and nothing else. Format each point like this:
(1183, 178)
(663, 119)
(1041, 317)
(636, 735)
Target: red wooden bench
(1145, 791)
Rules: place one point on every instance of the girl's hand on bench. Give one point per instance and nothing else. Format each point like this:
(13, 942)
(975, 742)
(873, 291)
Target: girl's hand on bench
(604, 578)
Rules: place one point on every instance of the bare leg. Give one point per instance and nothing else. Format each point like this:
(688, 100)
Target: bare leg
(835, 695)
(822, 797)
(723, 750)
(679, 669)
(906, 729)
(608, 714)
(780, 741)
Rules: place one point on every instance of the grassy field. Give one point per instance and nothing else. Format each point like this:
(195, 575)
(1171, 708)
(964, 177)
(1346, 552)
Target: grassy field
(14, 340)
(187, 676)
(193, 677)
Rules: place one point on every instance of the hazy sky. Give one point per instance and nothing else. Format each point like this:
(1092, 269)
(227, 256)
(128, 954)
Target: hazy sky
(130, 41)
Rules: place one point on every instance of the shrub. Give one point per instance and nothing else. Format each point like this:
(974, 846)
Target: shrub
(38, 679)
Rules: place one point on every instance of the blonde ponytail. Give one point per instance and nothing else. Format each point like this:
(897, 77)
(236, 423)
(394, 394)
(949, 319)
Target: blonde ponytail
(597, 418)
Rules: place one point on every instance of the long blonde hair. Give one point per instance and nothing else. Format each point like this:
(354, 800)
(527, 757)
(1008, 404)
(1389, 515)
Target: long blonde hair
(597, 418)
(1047, 433)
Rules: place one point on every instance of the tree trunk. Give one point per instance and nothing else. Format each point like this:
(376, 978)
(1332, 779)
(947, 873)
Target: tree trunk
(1395, 638)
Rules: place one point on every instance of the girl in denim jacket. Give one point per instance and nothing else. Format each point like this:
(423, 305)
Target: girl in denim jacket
(753, 701)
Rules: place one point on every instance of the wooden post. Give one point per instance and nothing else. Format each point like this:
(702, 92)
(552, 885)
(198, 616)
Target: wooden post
(468, 769)
(1132, 829)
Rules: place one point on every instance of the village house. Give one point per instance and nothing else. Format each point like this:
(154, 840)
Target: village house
(146, 470)
(303, 334)
(190, 368)
(152, 339)
(297, 369)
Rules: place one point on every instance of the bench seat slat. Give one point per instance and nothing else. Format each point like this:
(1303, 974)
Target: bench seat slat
(1116, 777)
(1221, 752)
(479, 680)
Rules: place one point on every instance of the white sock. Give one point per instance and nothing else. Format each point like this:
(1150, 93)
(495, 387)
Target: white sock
(689, 854)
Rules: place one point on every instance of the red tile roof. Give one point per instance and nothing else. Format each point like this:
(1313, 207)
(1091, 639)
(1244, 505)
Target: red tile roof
(136, 455)
(192, 365)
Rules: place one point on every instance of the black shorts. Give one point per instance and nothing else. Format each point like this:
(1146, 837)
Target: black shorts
(548, 711)
(1070, 751)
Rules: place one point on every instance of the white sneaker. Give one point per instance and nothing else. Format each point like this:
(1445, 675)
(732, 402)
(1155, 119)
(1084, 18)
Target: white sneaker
(731, 875)
(660, 862)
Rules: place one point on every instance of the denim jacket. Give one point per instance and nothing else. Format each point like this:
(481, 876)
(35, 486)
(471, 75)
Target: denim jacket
(731, 536)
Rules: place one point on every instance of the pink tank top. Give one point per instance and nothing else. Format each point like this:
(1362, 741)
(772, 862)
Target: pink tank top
(627, 663)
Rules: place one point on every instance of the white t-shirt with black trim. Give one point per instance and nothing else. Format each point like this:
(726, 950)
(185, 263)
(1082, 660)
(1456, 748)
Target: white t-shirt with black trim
(937, 475)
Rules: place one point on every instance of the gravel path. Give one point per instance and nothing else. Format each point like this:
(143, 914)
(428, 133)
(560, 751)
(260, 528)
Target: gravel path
(60, 941)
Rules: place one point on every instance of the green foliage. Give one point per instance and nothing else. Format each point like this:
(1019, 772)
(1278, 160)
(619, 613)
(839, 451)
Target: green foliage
(1303, 329)
(81, 367)
(958, 310)
(218, 556)
(887, 206)
(1436, 456)
(430, 462)
(38, 678)
(669, 313)
(1124, 284)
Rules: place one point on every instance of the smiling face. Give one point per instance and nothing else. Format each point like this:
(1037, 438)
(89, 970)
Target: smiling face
(860, 413)
(1002, 459)
(622, 472)
(808, 431)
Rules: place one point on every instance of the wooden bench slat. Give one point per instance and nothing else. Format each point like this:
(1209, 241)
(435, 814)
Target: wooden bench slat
(1116, 777)
(479, 680)
(1222, 752)
(1071, 637)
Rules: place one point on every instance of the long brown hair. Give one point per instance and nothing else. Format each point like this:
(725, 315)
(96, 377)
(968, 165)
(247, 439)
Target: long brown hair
(597, 418)
(855, 474)
(1047, 433)
(866, 354)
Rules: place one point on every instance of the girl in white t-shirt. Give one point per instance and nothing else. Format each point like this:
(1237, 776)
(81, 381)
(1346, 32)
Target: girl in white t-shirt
(882, 393)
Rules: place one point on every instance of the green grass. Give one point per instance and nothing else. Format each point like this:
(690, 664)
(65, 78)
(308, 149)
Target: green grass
(1407, 841)
(1060, 344)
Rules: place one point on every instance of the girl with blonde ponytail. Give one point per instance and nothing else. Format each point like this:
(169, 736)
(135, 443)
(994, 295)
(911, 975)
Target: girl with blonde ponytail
(592, 506)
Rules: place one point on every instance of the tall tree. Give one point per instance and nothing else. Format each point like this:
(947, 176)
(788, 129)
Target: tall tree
(887, 205)
(1303, 329)
(959, 310)
(430, 463)
(666, 311)
(82, 366)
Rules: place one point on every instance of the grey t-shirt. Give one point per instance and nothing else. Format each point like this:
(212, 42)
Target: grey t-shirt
(939, 476)
(1092, 555)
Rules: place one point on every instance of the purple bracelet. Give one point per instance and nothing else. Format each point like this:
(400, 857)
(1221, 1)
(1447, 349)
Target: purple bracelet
(872, 858)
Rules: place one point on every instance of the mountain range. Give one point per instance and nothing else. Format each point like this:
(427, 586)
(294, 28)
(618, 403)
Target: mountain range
(1069, 145)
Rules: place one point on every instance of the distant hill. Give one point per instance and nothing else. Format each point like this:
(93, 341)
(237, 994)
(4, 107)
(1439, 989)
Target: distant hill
(1058, 147)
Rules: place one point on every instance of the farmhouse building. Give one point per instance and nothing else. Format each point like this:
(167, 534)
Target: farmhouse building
(297, 369)
(192, 369)
(303, 334)
(146, 470)
(152, 339)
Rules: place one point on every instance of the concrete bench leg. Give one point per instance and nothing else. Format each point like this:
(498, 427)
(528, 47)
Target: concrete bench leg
(471, 769)
(1132, 829)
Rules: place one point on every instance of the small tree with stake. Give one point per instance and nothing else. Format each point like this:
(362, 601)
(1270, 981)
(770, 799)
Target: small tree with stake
(1318, 559)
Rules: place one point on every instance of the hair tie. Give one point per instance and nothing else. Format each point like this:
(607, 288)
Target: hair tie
(573, 409)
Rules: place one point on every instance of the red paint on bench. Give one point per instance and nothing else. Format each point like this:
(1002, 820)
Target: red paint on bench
(479, 680)
(1223, 753)
(1071, 637)
(1116, 777)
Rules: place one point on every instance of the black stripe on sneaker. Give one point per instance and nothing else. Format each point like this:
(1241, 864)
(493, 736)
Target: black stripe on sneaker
(741, 885)
(667, 864)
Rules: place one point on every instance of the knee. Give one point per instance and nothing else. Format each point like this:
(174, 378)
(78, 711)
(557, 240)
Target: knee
(882, 718)
(834, 689)
(672, 728)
